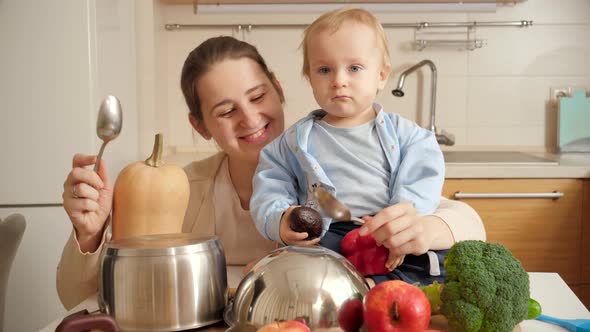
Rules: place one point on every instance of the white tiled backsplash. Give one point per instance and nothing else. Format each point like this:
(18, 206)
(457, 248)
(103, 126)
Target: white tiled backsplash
(495, 96)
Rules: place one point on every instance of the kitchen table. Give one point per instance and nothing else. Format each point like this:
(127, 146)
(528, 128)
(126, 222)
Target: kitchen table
(556, 299)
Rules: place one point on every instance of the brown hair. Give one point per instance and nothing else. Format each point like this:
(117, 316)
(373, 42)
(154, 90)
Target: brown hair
(205, 56)
(333, 20)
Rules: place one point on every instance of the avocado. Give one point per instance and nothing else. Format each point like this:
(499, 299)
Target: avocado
(306, 219)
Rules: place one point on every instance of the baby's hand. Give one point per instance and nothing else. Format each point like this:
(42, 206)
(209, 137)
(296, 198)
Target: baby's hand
(399, 228)
(291, 237)
(394, 261)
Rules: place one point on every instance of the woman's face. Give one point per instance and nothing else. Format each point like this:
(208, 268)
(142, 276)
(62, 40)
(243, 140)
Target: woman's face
(242, 110)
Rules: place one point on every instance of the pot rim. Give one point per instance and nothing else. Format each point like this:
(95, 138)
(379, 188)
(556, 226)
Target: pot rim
(161, 245)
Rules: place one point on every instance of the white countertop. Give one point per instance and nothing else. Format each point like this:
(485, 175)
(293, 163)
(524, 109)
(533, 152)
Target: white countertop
(555, 297)
(573, 165)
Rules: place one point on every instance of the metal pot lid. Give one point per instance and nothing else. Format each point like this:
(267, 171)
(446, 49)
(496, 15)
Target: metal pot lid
(162, 245)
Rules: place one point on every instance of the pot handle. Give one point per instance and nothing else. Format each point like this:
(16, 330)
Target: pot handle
(228, 314)
(83, 321)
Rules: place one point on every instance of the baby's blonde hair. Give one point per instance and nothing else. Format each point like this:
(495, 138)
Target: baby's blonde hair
(333, 20)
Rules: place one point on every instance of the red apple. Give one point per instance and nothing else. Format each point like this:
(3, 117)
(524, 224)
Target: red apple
(350, 316)
(285, 326)
(396, 306)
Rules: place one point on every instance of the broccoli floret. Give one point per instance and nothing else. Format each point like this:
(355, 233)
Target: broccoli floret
(486, 289)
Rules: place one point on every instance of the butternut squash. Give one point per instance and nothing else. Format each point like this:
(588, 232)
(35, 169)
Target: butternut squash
(150, 197)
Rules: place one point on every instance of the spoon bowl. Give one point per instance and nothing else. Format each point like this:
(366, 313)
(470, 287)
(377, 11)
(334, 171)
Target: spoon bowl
(333, 207)
(108, 123)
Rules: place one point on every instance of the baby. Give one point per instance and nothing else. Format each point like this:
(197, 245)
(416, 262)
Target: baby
(367, 158)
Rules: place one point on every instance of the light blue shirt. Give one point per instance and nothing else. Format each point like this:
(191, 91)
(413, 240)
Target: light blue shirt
(355, 162)
(288, 170)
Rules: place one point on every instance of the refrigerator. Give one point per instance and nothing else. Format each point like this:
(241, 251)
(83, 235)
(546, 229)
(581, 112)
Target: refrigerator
(59, 59)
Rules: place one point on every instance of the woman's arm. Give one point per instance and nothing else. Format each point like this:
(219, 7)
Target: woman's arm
(87, 199)
(77, 273)
(461, 219)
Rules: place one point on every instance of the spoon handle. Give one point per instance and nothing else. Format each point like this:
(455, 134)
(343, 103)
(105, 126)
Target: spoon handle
(99, 157)
(357, 221)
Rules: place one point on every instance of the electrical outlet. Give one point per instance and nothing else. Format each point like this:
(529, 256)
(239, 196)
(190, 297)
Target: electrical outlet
(557, 93)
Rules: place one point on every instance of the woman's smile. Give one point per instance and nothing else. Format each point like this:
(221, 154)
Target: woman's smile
(257, 136)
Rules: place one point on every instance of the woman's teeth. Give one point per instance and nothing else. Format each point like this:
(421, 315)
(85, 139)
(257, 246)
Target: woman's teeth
(256, 134)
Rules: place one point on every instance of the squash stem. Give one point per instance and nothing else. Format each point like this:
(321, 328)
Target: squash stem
(155, 160)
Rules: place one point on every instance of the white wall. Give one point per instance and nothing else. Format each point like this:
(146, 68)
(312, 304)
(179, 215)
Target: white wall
(59, 59)
(493, 97)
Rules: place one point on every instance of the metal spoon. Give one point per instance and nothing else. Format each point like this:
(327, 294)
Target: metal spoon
(108, 123)
(333, 207)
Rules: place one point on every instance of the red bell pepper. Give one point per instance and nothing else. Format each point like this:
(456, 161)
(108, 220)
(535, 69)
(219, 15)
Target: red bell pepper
(364, 253)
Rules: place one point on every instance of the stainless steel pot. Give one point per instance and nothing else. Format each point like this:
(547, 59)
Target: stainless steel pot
(312, 283)
(166, 282)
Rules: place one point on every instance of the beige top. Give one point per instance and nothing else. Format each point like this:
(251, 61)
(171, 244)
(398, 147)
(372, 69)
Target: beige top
(242, 243)
(77, 272)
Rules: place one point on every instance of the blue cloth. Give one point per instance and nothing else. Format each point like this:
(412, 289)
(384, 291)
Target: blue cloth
(413, 269)
(287, 172)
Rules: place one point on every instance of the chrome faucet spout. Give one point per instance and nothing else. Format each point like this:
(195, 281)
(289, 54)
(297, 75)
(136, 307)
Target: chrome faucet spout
(398, 92)
(445, 138)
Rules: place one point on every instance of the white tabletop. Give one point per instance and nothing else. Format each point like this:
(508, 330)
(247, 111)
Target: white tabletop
(555, 297)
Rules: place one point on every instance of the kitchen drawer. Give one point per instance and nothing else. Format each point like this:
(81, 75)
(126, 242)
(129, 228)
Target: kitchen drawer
(544, 234)
(586, 238)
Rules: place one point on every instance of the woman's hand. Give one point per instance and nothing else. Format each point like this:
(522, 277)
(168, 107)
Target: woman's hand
(400, 229)
(289, 236)
(87, 199)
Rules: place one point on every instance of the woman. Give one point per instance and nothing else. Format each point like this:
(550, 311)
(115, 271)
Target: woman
(242, 116)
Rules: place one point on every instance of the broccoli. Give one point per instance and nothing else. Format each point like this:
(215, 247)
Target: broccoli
(486, 288)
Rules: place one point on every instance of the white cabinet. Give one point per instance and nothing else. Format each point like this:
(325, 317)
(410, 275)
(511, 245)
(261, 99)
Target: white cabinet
(46, 93)
(59, 59)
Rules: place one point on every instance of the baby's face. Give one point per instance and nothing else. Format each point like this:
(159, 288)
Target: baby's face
(346, 71)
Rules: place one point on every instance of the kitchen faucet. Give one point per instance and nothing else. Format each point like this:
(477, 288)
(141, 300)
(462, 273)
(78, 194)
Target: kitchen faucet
(443, 137)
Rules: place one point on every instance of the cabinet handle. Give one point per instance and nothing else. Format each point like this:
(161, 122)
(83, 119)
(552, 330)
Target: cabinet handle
(551, 195)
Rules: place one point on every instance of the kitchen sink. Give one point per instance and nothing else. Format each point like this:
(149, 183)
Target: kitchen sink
(496, 158)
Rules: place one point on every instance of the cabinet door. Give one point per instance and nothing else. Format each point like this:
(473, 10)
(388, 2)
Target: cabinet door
(544, 234)
(46, 93)
(584, 293)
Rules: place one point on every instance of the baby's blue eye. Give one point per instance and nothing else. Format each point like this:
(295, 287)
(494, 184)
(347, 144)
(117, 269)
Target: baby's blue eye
(355, 68)
(323, 70)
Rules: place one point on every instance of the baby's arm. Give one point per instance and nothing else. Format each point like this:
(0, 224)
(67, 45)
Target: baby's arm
(275, 195)
(421, 172)
(419, 181)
